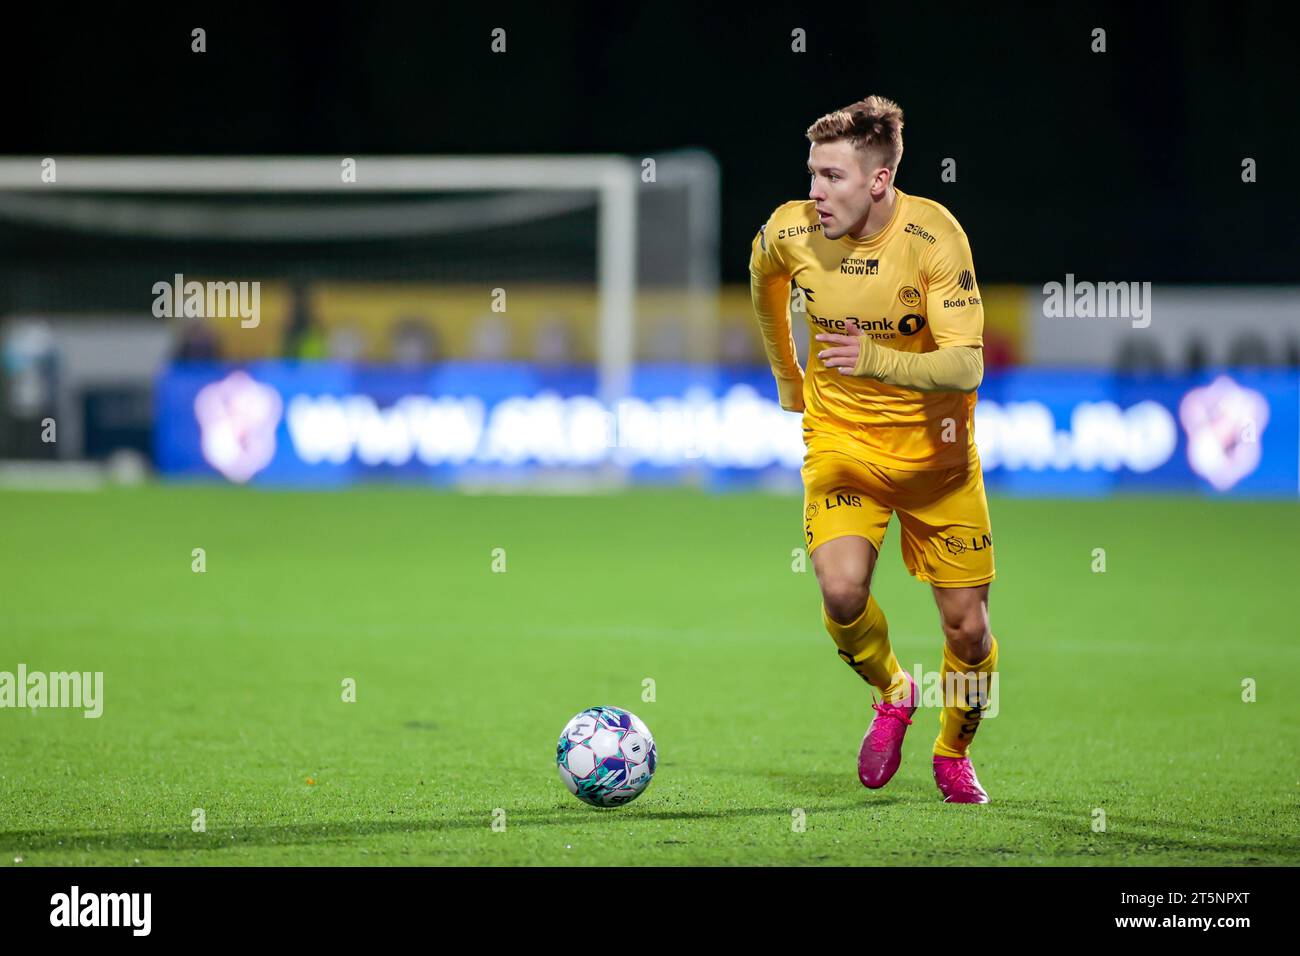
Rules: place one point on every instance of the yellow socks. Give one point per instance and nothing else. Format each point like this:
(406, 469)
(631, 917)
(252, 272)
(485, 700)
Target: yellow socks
(864, 646)
(966, 689)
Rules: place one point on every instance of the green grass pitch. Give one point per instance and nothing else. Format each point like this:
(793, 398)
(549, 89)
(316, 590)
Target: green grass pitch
(1120, 691)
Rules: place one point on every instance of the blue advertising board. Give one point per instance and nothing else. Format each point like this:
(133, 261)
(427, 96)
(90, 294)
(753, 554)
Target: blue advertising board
(1039, 432)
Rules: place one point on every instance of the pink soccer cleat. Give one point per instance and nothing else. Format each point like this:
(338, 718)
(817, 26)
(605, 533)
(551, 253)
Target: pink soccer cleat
(882, 747)
(957, 781)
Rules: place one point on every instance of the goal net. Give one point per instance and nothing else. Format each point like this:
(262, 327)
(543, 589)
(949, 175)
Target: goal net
(586, 260)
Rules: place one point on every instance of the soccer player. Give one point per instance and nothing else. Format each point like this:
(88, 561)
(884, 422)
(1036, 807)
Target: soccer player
(886, 282)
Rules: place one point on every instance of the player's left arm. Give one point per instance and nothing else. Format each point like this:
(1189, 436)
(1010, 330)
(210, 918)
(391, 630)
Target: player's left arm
(956, 319)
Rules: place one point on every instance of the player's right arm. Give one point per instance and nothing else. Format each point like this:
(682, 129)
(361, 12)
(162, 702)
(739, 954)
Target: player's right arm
(769, 287)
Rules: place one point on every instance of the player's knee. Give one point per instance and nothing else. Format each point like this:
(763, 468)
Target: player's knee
(845, 599)
(967, 631)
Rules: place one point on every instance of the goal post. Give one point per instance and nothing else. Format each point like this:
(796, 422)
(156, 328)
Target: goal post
(617, 183)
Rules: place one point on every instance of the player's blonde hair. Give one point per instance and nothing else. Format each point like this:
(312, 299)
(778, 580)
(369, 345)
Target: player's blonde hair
(873, 125)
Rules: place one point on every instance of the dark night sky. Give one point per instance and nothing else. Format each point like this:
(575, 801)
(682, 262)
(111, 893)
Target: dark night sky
(1122, 166)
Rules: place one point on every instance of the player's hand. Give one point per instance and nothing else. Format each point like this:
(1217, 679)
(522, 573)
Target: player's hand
(848, 353)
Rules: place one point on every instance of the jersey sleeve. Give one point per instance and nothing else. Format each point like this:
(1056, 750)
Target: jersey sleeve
(955, 312)
(956, 368)
(769, 286)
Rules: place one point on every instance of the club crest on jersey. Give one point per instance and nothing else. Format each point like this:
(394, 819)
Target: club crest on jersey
(910, 296)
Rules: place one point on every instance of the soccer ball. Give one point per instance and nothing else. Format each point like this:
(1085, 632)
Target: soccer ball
(606, 756)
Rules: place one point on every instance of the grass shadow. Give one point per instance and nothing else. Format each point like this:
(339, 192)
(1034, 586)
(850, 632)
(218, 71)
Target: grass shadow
(306, 834)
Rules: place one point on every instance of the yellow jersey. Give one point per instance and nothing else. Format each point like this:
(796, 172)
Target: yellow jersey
(910, 286)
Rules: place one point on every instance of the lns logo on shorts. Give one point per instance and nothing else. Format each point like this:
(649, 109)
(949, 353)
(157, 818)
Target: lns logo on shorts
(843, 500)
(962, 545)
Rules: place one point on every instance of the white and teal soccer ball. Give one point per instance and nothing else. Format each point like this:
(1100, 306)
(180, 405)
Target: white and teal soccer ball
(606, 756)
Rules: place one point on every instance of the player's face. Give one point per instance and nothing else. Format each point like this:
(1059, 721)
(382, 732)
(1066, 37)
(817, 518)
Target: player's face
(842, 187)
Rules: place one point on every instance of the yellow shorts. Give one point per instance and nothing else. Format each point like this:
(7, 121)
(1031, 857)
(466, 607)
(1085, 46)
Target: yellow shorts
(943, 514)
